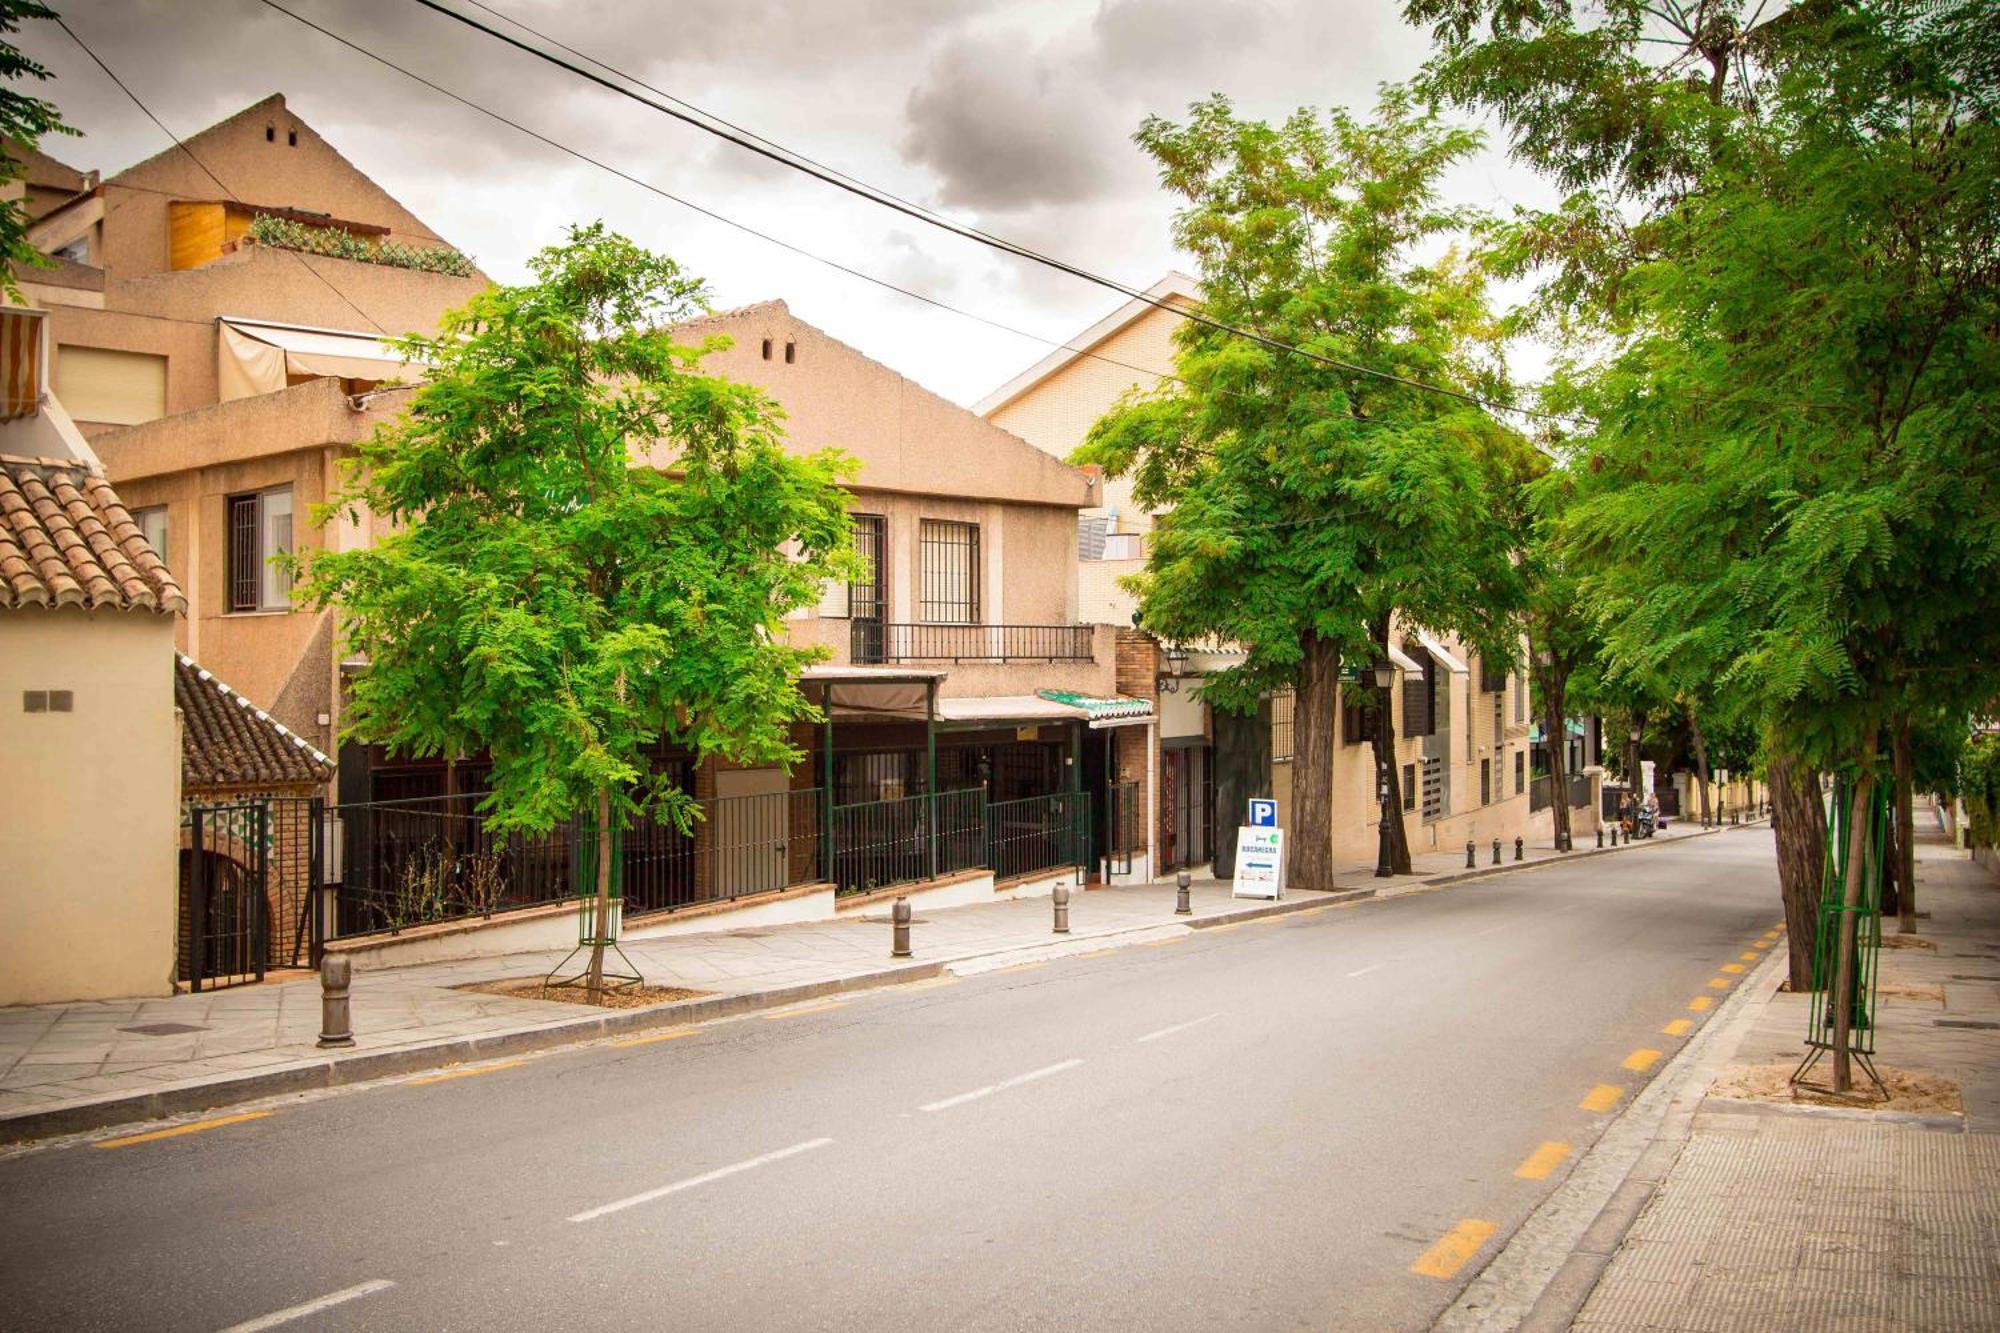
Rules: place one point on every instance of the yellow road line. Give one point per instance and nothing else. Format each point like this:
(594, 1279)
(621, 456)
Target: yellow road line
(1020, 967)
(468, 1073)
(1747, 957)
(1733, 969)
(1678, 1027)
(1641, 1060)
(1542, 1161)
(1718, 983)
(1601, 1098)
(1176, 939)
(1225, 926)
(671, 1034)
(1778, 927)
(1700, 1002)
(195, 1128)
(797, 1010)
(931, 983)
(1454, 1248)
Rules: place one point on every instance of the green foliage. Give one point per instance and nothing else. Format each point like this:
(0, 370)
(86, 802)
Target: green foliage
(1309, 502)
(547, 601)
(1979, 788)
(23, 120)
(1780, 274)
(288, 234)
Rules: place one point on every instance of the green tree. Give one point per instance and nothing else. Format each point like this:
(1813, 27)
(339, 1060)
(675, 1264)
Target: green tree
(23, 121)
(551, 603)
(1313, 507)
(1786, 243)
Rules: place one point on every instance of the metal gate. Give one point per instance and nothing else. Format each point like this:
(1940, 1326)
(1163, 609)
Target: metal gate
(251, 874)
(1122, 816)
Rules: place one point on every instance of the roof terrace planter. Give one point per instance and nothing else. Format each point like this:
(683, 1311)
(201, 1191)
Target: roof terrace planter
(340, 241)
(875, 641)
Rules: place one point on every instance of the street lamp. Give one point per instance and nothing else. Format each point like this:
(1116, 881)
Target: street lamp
(1382, 677)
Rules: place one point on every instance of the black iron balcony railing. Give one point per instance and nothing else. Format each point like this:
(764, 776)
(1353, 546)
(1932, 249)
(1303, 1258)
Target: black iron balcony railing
(875, 641)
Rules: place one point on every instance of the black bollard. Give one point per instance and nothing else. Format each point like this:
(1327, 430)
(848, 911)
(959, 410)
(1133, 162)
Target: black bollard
(1496, 851)
(1471, 854)
(1600, 835)
(1520, 850)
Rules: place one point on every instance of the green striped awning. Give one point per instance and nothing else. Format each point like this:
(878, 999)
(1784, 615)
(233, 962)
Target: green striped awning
(1099, 709)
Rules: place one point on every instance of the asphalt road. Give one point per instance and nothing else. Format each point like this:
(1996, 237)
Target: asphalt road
(1263, 1126)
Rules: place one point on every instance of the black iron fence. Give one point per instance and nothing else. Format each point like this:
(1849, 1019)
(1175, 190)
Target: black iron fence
(737, 846)
(880, 641)
(1539, 793)
(436, 858)
(880, 843)
(1041, 833)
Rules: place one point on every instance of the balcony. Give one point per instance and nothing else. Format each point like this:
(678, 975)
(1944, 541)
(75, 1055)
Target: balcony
(876, 641)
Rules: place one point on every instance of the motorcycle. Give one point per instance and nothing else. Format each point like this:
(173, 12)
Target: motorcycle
(1645, 823)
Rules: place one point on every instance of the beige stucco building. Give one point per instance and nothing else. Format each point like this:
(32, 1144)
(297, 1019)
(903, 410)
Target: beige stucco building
(87, 721)
(221, 379)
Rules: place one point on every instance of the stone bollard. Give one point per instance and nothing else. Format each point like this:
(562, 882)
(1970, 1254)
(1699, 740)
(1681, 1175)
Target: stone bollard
(1600, 835)
(1496, 851)
(336, 1023)
(1520, 849)
(1471, 854)
(1614, 835)
(899, 929)
(1182, 906)
(1061, 899)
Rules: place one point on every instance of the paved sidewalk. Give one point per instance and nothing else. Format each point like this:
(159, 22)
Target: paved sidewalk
(1782, 1217)
(1448, 863)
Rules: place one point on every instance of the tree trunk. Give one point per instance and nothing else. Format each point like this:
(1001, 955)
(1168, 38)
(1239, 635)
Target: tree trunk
(1798, 828)
(1858, 868)
(1700, 761)
(1906, 832)
(1385, 764)
(1317, 695)
(1554, 685)
(594, 988)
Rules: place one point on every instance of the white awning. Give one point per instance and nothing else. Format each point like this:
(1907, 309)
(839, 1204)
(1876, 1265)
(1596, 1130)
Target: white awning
(257, 356)
(1007, 708)
(1405, 661)
(1441, 653)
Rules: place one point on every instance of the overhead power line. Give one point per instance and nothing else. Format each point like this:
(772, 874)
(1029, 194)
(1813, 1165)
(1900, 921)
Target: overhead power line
(189, 154)
(771, 151)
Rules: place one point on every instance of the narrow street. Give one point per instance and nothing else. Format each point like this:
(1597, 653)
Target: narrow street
(1262, 1126)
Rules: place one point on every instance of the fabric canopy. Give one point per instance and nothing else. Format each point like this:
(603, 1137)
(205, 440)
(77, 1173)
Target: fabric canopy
(256, 357)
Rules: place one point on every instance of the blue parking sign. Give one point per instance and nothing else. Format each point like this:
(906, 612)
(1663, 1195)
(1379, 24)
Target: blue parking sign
(1263, 812)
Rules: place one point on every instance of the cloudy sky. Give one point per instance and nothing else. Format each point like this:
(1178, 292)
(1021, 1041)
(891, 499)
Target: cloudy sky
(1012, 115)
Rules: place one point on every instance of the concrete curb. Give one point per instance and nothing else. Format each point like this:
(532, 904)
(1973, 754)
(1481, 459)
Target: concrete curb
(201, 1094)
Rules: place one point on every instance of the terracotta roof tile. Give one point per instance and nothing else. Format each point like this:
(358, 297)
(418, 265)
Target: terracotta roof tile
(226, 741)
(67, 540)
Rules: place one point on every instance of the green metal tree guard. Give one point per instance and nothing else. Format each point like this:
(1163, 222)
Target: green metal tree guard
(1833, 914)
(583, 842)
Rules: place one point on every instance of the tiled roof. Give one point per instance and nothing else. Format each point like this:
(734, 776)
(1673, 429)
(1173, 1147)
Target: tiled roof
(67, 540)
(226, 741)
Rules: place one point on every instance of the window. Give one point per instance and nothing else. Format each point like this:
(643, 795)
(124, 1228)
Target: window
(1409, 786)
(152, 521)
(77, 251)
(260, 526)
(1492, 675)
(1499, 720)
(1281, 727)
(949, 572)
(1520, 771)
(861, 597)
(1419, 694)
(1357, 719)
(1486, 782)
(110, 387)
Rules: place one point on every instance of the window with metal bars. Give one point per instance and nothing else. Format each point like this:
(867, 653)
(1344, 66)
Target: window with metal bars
(260, 526)
(1357, 716)
(1486, 782)
(1409, 786)
(1520, 771)
(948, 561)
(1281, 727)
(1419, 694)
